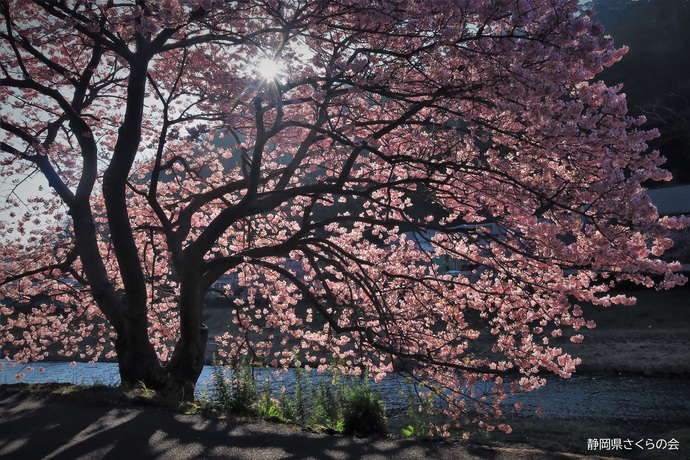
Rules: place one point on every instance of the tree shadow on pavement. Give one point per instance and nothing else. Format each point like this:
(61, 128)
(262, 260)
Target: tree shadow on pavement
(55, 427)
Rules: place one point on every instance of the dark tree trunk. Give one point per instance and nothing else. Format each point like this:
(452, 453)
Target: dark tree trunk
(186, 365)
(188, 359)
(139, 365)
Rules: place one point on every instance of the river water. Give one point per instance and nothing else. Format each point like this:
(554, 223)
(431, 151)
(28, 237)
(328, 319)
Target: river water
(609, 397)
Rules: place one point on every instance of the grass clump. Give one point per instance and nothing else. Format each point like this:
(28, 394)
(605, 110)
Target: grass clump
(294, 407)
(236, 392)
(327, 405)
(422, 419)
(364, 413)
(335, 403)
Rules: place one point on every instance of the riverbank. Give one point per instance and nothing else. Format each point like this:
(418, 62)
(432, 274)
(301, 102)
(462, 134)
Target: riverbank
(651, 338)
(67, 422)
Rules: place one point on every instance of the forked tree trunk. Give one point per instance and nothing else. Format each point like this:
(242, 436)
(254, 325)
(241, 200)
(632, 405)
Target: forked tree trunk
(139, 365)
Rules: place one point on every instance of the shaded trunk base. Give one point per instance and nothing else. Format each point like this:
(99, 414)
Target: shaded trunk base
(160, 384)
(142, 373)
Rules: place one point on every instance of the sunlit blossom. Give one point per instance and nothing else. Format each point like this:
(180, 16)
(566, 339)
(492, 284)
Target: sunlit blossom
(366, 189)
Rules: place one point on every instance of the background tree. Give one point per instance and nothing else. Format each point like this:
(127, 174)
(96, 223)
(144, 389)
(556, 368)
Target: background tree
(365, 139)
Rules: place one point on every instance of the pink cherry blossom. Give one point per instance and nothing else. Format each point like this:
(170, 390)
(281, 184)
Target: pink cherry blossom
(429, 188)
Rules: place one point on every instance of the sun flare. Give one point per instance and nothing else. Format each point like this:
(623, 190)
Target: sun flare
(269, 69)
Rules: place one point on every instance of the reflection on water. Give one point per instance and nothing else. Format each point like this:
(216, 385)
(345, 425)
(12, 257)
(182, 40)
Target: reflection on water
(625, 397)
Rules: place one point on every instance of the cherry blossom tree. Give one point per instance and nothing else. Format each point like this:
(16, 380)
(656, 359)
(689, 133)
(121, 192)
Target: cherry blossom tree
(328, 156)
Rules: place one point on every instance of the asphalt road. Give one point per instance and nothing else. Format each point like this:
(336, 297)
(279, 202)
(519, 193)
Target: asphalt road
(40, 426)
